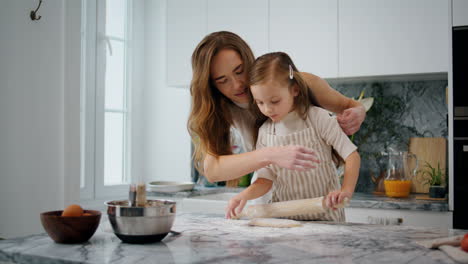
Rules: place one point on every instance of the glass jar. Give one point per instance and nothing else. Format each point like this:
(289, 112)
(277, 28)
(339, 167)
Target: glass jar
(400, 171)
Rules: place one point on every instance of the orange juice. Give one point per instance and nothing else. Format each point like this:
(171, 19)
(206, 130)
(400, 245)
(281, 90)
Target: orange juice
(396, 188)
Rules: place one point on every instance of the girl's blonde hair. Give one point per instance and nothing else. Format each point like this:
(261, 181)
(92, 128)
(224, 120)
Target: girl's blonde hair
(210, 117)
(276, 67)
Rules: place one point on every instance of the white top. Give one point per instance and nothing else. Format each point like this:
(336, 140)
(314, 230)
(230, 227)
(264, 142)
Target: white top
(243, 122)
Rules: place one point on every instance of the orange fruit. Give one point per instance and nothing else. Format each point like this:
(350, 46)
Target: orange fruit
(87, 214)
(73, 210)
(464, 243)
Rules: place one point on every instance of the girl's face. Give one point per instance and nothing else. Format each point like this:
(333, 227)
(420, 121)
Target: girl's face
(229, 75)
(275, 100)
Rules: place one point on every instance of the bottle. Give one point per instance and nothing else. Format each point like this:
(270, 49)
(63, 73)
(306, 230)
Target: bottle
(141, 194)
(132, 195)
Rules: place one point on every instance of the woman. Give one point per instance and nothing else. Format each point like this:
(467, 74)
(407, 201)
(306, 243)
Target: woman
(220, 99)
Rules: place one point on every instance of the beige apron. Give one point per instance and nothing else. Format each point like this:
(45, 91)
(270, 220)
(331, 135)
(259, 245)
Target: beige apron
(294, 185)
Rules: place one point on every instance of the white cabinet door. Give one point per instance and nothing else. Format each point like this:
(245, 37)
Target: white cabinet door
(248, 19)
(460, 13)
(381, 37)
(186, 27)
(308, 32)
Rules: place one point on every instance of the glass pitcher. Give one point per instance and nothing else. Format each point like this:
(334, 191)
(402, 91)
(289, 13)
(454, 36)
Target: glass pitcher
(401, 168)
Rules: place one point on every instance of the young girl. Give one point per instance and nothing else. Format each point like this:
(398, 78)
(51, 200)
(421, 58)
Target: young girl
(285, 116)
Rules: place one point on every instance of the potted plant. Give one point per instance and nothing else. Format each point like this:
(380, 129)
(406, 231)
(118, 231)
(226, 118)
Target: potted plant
(434, 177)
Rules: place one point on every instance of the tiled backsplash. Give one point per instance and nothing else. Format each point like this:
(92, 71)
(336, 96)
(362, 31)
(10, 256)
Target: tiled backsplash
(401, 110)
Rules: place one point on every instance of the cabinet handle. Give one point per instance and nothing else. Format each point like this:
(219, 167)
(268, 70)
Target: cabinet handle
(465, 148)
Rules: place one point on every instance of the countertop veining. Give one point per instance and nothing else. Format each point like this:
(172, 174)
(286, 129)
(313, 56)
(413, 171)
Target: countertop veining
(213, 239)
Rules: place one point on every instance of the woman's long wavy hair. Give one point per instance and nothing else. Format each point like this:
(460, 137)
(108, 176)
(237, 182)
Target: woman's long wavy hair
(210, 117)
(275, 67)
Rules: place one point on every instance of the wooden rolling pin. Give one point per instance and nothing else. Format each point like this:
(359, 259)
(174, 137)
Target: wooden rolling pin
(288, 208)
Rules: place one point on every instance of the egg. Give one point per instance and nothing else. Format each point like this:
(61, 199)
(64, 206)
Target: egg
(73, 210)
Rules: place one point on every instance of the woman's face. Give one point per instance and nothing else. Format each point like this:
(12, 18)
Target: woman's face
(274, 99)
(229, 75)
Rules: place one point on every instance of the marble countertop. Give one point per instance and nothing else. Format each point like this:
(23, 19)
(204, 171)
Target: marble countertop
(359, 200)
(213, 239)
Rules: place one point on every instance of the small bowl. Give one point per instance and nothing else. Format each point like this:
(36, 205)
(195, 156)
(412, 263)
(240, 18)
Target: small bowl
(70, 229)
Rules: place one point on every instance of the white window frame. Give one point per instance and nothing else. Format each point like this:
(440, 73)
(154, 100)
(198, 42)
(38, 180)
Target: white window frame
(93, 103)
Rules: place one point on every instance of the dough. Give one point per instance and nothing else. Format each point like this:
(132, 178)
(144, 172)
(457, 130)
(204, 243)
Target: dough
(273, 222)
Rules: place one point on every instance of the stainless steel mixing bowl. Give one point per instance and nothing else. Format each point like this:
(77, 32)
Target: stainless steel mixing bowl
(137, 225)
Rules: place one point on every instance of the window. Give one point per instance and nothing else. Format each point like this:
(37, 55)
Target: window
(105, 96)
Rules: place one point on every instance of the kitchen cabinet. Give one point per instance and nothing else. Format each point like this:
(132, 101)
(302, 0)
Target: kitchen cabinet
(248, 19)
(408, 218)
(308, 32)
(459, 13)
(186, 27)
(331, 39)
(380, 37)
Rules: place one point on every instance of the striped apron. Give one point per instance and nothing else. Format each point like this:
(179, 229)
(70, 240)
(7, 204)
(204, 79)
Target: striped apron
(295, 185)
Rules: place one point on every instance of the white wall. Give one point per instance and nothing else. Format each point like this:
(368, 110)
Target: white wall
(38, 108)
(167, 108)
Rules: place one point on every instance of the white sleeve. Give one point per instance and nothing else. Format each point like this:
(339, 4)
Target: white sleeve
(331, 132)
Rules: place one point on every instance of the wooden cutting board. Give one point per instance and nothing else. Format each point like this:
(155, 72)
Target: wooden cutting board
(232, 183)
(432, 150)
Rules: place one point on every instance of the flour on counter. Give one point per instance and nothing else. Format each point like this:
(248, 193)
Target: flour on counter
(274, 222)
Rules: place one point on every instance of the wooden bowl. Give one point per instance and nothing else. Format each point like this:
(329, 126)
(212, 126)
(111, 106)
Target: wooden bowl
(70, 229)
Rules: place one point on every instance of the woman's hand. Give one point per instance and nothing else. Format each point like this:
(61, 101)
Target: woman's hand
(336, 197)
(293, 157)
(235, 206)
(351, 119)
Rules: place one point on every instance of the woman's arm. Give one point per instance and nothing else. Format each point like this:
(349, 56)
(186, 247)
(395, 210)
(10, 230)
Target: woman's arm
(255, 190)
(351, 113)
(229, 167)
(351, 173)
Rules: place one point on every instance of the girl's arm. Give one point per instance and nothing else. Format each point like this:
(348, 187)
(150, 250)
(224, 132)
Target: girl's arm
(351, 173)
(351, 113)
(229, 167)
(260, 187)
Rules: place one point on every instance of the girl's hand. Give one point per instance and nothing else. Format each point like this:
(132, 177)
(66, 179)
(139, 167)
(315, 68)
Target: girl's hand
(293, 157)
(336, 197)
(351, 119)
(235, 207)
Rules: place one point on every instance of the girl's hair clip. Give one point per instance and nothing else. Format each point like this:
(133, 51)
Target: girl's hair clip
(291, 73)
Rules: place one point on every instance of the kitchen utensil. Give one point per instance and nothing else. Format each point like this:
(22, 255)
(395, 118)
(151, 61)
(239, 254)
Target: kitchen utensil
(449, 245)
(70, 229)
(436, 243)
(426, 197)
(288, 208)
(141, 224)
(432, 151)
(169, 186)
(399, 173)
